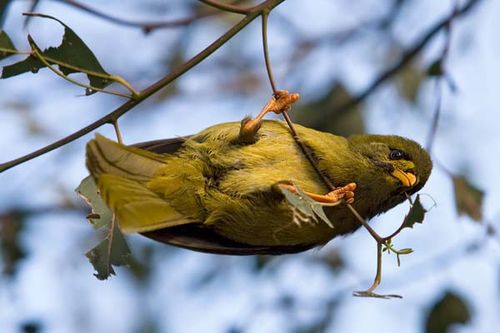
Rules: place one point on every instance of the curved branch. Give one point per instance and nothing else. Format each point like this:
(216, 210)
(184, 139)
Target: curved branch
(145, 26)
(226, 7)
(111, 117)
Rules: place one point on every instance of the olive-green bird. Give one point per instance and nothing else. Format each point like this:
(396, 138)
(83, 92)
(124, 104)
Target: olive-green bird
(219, 190)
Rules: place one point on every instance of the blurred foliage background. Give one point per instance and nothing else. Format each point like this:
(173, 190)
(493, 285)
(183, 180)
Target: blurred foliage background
(423, 69)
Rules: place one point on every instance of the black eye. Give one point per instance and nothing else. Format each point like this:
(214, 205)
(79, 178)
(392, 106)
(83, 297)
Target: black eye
(397, 154)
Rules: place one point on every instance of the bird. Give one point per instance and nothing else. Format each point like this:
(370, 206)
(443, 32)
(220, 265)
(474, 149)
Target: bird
(221, 190)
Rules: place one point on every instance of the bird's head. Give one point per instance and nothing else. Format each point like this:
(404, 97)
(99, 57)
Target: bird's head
(404, 164)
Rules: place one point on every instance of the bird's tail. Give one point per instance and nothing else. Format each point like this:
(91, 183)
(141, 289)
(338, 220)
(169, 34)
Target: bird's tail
(121, 173)
(105, 156)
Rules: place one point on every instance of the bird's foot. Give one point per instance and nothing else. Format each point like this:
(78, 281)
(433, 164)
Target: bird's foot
(281, 101)
(345, 193)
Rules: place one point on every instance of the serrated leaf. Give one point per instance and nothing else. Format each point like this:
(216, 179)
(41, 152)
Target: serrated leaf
(415, 215)
(112, 251)
(302, 202)
(7, 48)
(72, 56)
(318, 210)
(298, 202)
(436, 68)
(468, 198)
(101, 215)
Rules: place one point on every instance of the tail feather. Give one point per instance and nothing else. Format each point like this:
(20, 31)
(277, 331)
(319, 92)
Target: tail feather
(136, 207)
(121, 173)
(107, 156)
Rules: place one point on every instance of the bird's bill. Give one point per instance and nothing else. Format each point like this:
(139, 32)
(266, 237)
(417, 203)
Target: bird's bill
(408, 179)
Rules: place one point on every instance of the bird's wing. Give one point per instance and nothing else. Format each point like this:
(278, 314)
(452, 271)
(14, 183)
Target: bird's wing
(165, 146)
(196, 237)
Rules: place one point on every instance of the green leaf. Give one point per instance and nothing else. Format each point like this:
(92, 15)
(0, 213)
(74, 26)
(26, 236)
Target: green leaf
(415, 215)
(436, 68)
(7, 48)
(468, 198)
(449, 310)
(101, 215)
(72, 56)
(112, 251)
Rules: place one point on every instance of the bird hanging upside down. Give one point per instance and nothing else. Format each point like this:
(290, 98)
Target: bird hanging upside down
(219, 191)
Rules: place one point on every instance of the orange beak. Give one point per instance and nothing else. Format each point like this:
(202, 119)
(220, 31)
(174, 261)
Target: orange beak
(408, 179)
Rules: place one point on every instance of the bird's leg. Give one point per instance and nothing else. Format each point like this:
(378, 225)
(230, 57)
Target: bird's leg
(333, 197)
(280, 102)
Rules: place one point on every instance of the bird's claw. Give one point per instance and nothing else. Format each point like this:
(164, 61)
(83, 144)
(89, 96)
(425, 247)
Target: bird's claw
(345, 193)
(281, 101)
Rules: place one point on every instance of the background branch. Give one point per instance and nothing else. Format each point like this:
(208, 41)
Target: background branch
(144, 94)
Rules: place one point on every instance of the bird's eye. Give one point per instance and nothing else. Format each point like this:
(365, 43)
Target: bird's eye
(397, 154)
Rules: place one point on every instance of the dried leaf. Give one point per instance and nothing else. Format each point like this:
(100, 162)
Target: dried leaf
(7, 48)
(71, 56)
(307, 206)
(468, 198)
(101, 215)
(318, 210)
(415, 215)
(112, 251)
(297, 202)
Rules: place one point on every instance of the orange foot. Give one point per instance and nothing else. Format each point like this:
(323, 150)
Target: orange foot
(345, 193)
(280, 102)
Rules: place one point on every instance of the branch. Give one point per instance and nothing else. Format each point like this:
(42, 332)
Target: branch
(441, 62)
(407, 56)
(226, 7)
(145, 26)
(111, 117)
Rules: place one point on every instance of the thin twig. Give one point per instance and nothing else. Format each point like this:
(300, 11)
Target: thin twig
(439, 81)
(36, 53)
(365, 224)
(226, 7)
(144, 94)
(407, 57)
(307, 153)
(265, 47)
(117, 131)
(145, 26)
